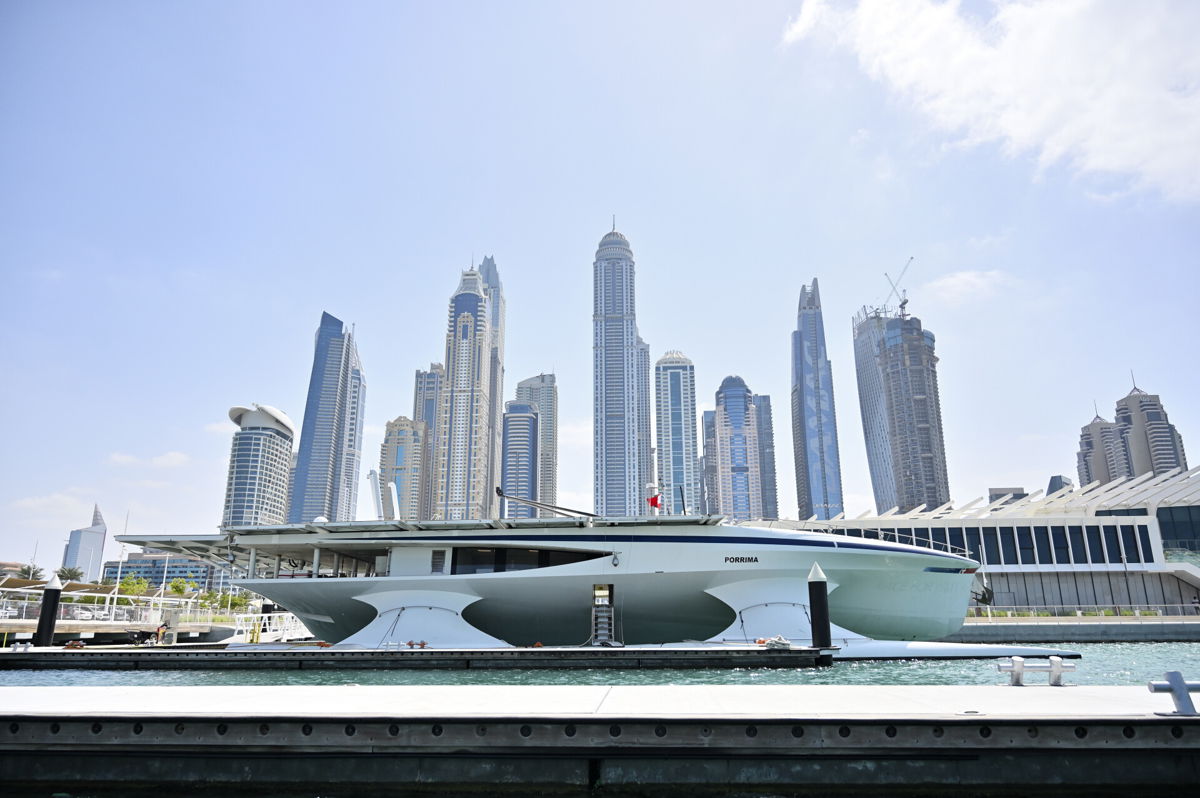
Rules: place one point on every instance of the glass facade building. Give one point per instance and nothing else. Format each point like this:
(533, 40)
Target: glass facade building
(766, 456)
(542, 393)
(621, 385)
(675, 433)
(814, 422)
(403, 474)
(738, 478)
(256, 491)
(325, 480)
(520, 458)
(85, 547)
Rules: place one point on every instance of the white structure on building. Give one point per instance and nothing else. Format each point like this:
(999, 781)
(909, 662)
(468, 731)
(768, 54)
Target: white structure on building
(542, 393)
(621, 391)
(256, 491)
(675, 433)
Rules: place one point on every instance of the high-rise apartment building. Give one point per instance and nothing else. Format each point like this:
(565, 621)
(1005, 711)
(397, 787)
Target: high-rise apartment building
(766, 456)
(494, 291)
(541, 392)
(1151, 440)
(1102, 456)
(427, 392)
(621, 394)
(675, 433)
(403, 470)
(814, 422)
(85, 547)
(1140, 440)
(520, 459)
(256, 491)
(901, 410)
(708, 462)
(738, 476)
(325, 481)
(465, 444)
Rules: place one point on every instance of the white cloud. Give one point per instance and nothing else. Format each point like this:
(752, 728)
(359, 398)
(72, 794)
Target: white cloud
(165, 460)
(1106, 87)
(958, 288)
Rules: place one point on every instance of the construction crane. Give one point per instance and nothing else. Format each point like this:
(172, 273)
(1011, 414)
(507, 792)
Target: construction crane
(896, 291)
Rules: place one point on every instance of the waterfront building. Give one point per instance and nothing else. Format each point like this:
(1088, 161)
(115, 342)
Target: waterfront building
(814, 422)
(1057, 483)
(738, 476)
(256, 490)
(520, 459)
(85, 547)
(403, 478)
(621, 392)
(325, 481)
(1009, 495)
(708, 465)
(675, 433)
(464, 441)
(901, 410)
(1152, 444)
(541, 392)
(160, 568)
(766, 456)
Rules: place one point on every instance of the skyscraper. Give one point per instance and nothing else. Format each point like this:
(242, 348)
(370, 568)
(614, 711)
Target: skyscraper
(325, 482)
(621, 395)
(1102, 456)
(708, 462)
(542, 393)
(464, 441)
(814, 422)
(403, 464)
(675, 435)
(256, 492)
(766, 456)
(1138, 441)
(85, 547)
(519, 469)
(738, 478)
(1151, 440)
(494, 291)
(427, 392)
(901, 408)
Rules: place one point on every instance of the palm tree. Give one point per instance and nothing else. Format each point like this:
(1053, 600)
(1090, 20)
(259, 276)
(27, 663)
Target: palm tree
(30, 571)
(70, 574)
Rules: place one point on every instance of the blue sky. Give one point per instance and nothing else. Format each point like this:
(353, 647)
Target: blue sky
(184, 188)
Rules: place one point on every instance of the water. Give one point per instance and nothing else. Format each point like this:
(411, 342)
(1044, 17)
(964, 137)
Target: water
(1102, 664)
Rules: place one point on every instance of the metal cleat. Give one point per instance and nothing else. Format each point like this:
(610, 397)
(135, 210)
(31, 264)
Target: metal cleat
(1180, 691)
(1017, 667)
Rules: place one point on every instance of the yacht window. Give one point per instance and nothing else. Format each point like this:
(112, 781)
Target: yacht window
(521, 559)
(474, 561)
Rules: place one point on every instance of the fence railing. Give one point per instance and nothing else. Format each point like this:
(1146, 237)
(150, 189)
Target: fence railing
(1085, 613)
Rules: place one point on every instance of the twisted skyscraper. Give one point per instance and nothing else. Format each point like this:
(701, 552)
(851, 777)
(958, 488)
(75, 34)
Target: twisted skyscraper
(621, 384)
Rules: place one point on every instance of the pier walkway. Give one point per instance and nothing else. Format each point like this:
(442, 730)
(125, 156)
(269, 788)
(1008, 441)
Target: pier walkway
(596, 740)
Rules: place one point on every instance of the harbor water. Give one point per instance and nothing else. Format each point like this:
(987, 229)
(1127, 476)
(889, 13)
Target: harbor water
(1101, 664)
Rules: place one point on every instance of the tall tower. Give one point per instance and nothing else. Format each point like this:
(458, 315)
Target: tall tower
(766, 456)
(814, 423)
(1102, 456)
(325, 482)
(464, 439)
(541, 392)
(494, 291)
(85, 547)
(621, 394)
(1151, 440)
(872, 402)
(403, 461)
(738, 478)
(708, 462)
(427, 392)
(675, 441)
(519, 470)
(256, 493)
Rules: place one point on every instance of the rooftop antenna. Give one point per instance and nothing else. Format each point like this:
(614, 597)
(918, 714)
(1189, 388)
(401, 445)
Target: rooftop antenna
(896, 291)
(1133, 379)
(614, 223)
(1096, 407)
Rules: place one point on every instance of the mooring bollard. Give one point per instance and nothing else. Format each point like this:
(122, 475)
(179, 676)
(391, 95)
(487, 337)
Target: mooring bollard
(51, 593)
(818, 607)
(1017, 667)
(1180, 691)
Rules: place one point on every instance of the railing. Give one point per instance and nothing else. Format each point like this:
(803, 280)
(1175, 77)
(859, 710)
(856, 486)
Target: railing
(1084, 613)
(273, 627)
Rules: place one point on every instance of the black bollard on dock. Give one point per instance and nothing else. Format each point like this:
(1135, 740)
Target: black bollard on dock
(49, 612)
(818, 607)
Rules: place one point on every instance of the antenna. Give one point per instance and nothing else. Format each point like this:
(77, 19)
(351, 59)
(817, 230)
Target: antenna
(895, 284)
(1096, 407)
(614, 223)
(1133, 379)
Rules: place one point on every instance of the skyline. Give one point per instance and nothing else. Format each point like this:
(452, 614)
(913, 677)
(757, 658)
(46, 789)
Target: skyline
(178, 192)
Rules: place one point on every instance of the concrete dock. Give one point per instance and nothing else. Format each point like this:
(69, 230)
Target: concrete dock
(596, 740)
(314, 658)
